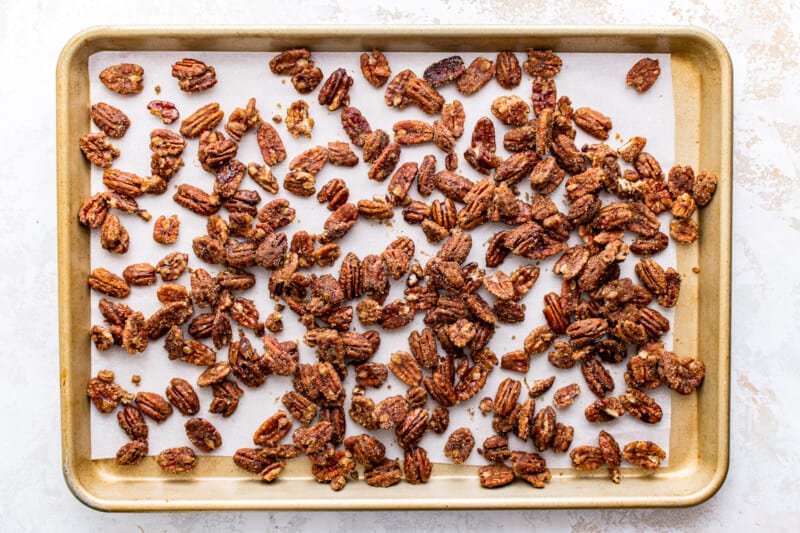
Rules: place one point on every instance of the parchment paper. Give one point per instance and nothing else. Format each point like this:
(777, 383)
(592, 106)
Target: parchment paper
(593, 80)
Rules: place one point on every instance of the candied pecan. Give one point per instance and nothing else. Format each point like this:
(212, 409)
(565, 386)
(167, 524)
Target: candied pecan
(395, 94)
(391, 411)
(680, 180)
(204, 119)
(102, 337)
(586, 331)
(202, 434)
(240, 120)
(506, 397)
(132, 453)
(396, 314)
(540, 386)
(562, 439)
(641, 406)
(125, 183)
(645, 246)
(385, 162)
(196, 200)
(341, 155)
(112, 121)
(611, 454)
(538, 340)
(194, 75)
(571, 159)
(507, 70)
(216, 373)
(476, 75)
(300, 183)
(300, 407)
(334, 92)
(544, 95)
(113, 235)
(412, 132)
(412, 427)
(705, 183)
(644, 454)
(493, 476)
(93, 211)
(375, 68)
(592, 122)
(306, 80)
(542, 63)
(132, 423)
(108, 283)
(291, 62)
(273, 430)
(511, 110)
(597, 377)
(385, 474)
(134, 333)
(374, 144)
(459, 445)
(153, 405)
(297, 120)
(520, 139)
(546, 175)
(543, 431)
(226, 398)
(684, 230)
(565, 396)
(453, 117)
(367, 450)
(481, 153)
(516, 167)
(270, 144)
(683, 206)
(125, 78)
(418, 91)
(165, 230)
(604, 410)
(681, 375)
(181, 394)
(554, 313)
(643, 74)
(444, 71)
(177, 460)
(586, 458)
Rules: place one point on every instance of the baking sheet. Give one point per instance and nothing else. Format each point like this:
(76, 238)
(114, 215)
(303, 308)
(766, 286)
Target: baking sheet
(594, 80)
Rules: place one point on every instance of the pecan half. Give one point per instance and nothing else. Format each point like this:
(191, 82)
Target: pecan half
(493, 476)
(334, 92)
(375, 68)
(643, 74)
(125, 78)
(202, 434)
(507, 70)
(444, 71)
(459, 445)
(194, 75)
(177, 460)
(476, 75)
(98, 150)
(644, 454)
(542, 63)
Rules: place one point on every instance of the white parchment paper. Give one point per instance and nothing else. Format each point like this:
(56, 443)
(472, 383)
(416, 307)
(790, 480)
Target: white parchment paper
(593, 80)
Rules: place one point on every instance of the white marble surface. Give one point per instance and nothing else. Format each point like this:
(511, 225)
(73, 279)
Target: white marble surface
(764, 41)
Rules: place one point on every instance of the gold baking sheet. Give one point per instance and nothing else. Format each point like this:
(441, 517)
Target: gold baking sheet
(698, 453)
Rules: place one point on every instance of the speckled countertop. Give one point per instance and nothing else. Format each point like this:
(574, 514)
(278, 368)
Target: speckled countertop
(764, 42)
